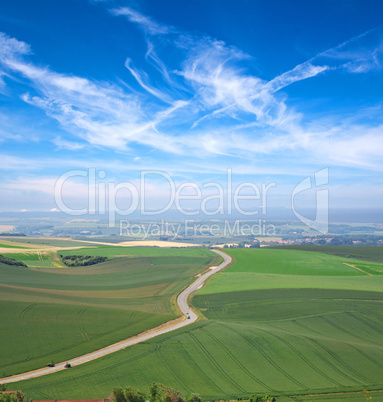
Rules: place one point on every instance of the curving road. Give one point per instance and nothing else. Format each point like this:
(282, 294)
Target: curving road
(182, 302)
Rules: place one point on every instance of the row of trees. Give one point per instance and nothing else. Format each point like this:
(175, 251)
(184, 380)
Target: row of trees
(262, 398)
(15, 396)
(11, 261)
(12, 234)
(157, 393)
(81, 260)
(161, 393)
(337, 240)
(244, 244)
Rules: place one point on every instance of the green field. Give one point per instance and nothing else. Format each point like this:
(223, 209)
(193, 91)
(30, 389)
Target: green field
(38, 259)
(55, 314)
(290, 262)
(367, 253)
(118, 251)
(46, 241)
(259, 333)
(53, 332)
(9, 246)
(272, 268)
(376, 396)
(256, 344)
(51, 259)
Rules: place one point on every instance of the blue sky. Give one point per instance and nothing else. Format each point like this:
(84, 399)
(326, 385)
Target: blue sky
(273, 90)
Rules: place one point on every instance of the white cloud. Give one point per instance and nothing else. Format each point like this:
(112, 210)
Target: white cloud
(70, 145)
(8, 162)
(11, 47)
(359, 55)
(298, 73)
(142, 79)
(150, 26)
(224, 111)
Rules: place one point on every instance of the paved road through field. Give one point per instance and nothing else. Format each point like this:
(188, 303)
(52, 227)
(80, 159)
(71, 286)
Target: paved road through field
(182, 304)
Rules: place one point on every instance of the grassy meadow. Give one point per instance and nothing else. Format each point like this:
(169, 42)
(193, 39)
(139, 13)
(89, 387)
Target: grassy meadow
(291, 323)
(59, 313)
(27, 241)
(38, 259)
(51, 258)
(366, 253)
(371, 396)
(10, 246)
(272, 268)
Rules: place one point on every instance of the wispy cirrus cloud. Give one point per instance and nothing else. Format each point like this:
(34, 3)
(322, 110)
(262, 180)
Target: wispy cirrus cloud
(149, 25)
(360, 54)
(65, 144)
(143, 81)
(207, 105)
(11, 47)
(300, 72)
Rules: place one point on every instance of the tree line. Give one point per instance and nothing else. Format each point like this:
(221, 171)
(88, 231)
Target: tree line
(14, 396)
(161, 393)
(11, 261)
(81, 260)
